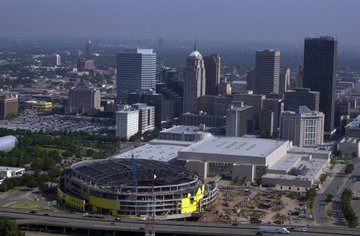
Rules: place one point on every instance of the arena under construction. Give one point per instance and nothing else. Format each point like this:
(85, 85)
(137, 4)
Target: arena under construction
(129, 188)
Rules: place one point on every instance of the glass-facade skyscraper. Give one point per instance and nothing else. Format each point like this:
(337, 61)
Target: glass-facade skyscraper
(319, 74)
(136, 72)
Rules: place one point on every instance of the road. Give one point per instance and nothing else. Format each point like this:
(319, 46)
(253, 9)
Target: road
(336, 187)
(172, 227)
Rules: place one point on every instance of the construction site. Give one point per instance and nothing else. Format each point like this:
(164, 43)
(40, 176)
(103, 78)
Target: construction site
(248, 205)
(129, 188)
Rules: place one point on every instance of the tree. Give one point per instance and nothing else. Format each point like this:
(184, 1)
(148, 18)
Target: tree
(329, 198)
(349, 169)
(322, 178)
(9, 228)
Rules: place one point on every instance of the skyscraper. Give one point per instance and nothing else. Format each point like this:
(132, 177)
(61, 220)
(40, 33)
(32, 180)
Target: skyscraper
(88, 48)
(320, 56)
(212, 68)
(267, 72)
(136, 72)
(194, 81)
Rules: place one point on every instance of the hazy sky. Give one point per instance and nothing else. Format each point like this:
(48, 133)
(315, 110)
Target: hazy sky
(228, 20)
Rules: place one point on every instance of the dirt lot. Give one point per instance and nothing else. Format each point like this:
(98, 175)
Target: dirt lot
(241, 205)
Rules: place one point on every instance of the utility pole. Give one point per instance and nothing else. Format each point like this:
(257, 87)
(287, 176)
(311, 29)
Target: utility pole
(151, 210)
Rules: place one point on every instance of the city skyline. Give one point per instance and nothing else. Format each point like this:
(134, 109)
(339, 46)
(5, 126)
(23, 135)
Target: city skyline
(240, 21)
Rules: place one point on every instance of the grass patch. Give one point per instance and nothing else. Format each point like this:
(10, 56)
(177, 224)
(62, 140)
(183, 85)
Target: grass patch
(29, 205)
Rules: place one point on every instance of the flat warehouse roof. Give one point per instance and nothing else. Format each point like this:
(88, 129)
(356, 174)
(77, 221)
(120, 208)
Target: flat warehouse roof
(252, 147)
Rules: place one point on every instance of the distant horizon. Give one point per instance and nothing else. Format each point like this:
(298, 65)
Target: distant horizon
(225, 21)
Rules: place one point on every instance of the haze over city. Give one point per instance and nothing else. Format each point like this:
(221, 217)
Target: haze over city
(210, 20)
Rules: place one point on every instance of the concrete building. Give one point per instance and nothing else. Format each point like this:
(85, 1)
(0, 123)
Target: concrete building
(239, 120)
(254, 100)
(146, 116)
(83, 101)
(301, 97)
(258, 159)
(304, 127)
(203, 118)
(214, 105)
(212, 77)
(224, 89)
(57, 60)
(194, 81)
(349, 147)
(299, 77)
(9, 105)
(136, 71)
(353, 128)
(284, 82)
(320, 58)
(185, 133)
(277, 106)
(10, 172)
(267, 72)
(127, 122)
(267, 122)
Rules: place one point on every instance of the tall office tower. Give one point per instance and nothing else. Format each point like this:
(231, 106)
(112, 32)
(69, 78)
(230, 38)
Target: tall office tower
(320, 57)
(250, 79)
(127, 122)
(212, 68)
(304, 127)
(267, 72)
(301, 97)
(194, 81)
(284, 83)
(299, 77)
(9, 105)
(238, 120)
(88, 48)
(57, 60)
(136, 72)
(146, 116)
(83, 100)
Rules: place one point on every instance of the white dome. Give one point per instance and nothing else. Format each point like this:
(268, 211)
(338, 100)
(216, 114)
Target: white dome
(195, 54)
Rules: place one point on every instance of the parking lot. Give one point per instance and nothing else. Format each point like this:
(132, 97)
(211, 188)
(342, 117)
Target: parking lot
(56, 123)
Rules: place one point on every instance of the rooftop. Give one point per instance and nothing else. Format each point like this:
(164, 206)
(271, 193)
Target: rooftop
(195, 54)
(161, 152)
(119, 172)
(252, 147)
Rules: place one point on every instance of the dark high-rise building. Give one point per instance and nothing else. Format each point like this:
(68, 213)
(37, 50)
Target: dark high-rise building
(320, 56)
(250, 79)
(301, 97)
(267, 72)
(88, 48)
(136, 72)
(212, 76)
